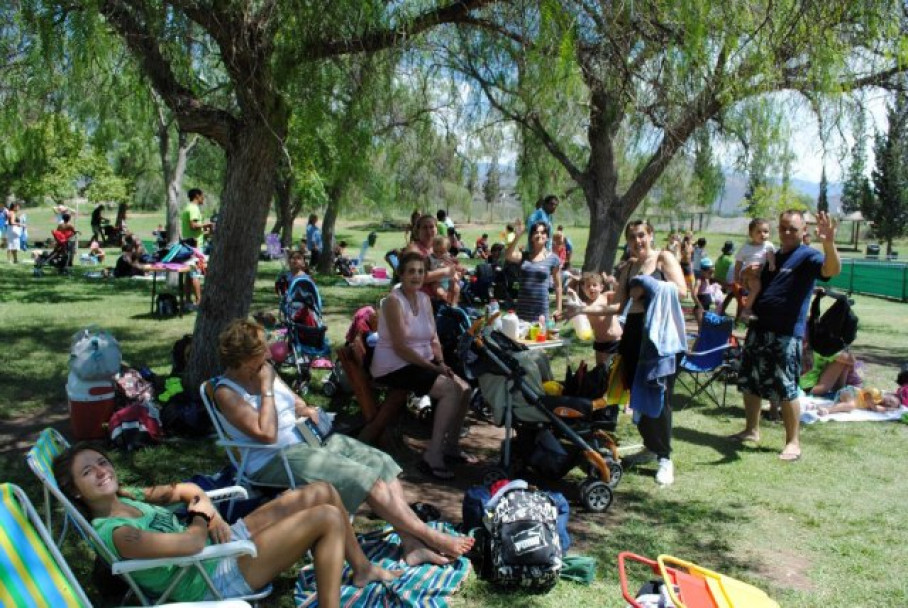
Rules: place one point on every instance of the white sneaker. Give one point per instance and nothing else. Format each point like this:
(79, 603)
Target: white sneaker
(634, 460)
(665, 476)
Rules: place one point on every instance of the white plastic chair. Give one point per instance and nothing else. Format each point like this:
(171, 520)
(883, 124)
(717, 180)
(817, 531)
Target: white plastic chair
(238, 451)
(40, 459)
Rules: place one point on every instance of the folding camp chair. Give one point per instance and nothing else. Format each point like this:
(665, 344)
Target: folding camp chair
(238, 450)
(40, 458)
(273, 248)
(712, 358)
(33, 572)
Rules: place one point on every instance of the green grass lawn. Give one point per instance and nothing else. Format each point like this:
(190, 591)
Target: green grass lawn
(824, 531)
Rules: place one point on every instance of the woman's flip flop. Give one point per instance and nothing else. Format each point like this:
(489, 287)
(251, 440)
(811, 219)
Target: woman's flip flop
(442, 473)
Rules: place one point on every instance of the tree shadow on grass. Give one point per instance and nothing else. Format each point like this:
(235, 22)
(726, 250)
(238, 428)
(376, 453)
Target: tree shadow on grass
(892, 357)
(727, 448)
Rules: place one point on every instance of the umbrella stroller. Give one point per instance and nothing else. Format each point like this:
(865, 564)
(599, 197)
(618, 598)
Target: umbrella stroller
(550, 434)
(307, 343)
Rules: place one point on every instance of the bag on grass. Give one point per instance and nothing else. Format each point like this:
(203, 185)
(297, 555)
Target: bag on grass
(184, 415)
(94, 354)
(835, 329)
(166, 305)
(135, 426)
(131, 388)
(522, 548)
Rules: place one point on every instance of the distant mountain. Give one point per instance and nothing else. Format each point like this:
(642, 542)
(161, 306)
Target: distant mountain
(732, 199)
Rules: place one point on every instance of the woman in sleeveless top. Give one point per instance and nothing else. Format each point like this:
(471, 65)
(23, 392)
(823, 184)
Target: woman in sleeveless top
(644, 259)
(409, 355)
(538, 267)
(258, 407)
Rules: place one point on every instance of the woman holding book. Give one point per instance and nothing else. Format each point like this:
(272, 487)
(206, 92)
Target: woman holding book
(255, 405)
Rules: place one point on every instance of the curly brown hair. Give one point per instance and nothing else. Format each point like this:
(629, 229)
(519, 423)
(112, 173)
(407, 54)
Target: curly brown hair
(241, 340)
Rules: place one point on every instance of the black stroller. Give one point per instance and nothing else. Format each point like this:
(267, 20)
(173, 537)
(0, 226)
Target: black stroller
(551, 435)
(60, 257)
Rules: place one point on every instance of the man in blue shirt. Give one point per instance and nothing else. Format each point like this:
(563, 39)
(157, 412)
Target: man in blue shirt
(771, 359)
(543, 213)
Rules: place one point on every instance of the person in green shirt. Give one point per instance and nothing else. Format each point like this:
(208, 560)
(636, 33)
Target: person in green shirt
(133, 525)
(192, 225)
(194, 230)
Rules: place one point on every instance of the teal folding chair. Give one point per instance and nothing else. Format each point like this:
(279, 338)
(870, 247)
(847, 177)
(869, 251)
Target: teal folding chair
(40, 459)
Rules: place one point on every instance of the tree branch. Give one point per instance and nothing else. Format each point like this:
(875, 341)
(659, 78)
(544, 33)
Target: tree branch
(125, 16)
(382, 38)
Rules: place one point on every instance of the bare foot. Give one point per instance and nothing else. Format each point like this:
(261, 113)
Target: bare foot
(416, 553)
(372, 573)
(753, 436)
(790, 453)
(453, 546)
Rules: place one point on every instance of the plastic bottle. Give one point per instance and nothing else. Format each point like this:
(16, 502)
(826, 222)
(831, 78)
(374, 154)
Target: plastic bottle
(510, 325)
(582, 328)
(491, 311)
(540, 335)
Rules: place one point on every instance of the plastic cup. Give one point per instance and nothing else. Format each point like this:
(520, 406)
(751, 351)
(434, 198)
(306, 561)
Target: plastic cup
(534, 332)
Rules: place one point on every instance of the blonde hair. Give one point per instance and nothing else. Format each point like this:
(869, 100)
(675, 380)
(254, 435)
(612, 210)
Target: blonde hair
(608, 282)
(241, 340)
(441, 241)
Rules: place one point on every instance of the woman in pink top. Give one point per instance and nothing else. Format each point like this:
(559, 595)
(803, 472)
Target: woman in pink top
(408, 355)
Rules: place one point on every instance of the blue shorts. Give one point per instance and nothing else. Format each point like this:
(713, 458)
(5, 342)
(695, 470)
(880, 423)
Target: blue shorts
(227, 578)
(770, 365)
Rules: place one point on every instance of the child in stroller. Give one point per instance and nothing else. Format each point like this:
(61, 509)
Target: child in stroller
(305, 332)
(60, 257)
(551, 434)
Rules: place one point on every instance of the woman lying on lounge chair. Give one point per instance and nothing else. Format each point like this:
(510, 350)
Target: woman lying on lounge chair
(133, 526)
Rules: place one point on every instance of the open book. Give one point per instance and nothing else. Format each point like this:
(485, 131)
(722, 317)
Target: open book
(316, 434)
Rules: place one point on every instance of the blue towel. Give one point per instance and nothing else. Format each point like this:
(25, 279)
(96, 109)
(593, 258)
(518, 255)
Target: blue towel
(663, 338)
(425, 586)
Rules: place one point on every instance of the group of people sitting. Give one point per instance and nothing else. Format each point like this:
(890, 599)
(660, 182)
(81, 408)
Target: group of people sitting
(256, 406)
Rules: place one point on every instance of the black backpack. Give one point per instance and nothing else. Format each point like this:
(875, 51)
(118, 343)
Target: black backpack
(835, 329)
(166, 305)
(523, 542)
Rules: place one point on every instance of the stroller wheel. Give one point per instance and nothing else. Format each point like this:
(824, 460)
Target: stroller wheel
(595, 495)
(329, 389)
(617, 472)
(493, 474)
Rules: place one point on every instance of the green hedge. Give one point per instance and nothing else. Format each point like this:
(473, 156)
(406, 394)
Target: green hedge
(888, 279)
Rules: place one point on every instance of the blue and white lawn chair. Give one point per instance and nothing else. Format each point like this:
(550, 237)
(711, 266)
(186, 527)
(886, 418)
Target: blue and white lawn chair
(712, 358)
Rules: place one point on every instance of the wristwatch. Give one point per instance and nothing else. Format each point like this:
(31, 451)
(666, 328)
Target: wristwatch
(268, 394)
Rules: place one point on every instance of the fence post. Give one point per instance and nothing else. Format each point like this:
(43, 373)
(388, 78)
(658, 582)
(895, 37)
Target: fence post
(851, 278)
(905, 283)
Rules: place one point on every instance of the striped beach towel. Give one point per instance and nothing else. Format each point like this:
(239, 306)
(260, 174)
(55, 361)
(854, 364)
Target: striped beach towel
(29, 574)
(423, 586)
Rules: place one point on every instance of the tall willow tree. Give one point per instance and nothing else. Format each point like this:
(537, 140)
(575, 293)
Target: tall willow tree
(662, 69)
(245, 112)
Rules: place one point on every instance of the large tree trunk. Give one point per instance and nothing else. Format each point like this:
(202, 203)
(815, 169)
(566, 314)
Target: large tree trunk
(252, 157)
(326, 261)
(285, 209)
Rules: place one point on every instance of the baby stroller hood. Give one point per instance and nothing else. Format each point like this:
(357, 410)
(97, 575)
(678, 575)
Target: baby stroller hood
(302, 291)
(500, 392)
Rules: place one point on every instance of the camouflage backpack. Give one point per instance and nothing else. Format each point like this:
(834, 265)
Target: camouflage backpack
(524, 544)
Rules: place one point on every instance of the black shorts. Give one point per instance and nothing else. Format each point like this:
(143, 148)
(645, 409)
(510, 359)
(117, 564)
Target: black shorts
(706, 301)
(606, 347)
(410, 377)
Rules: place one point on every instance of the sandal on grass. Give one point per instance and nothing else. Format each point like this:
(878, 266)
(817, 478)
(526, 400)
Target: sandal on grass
(443, 473)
